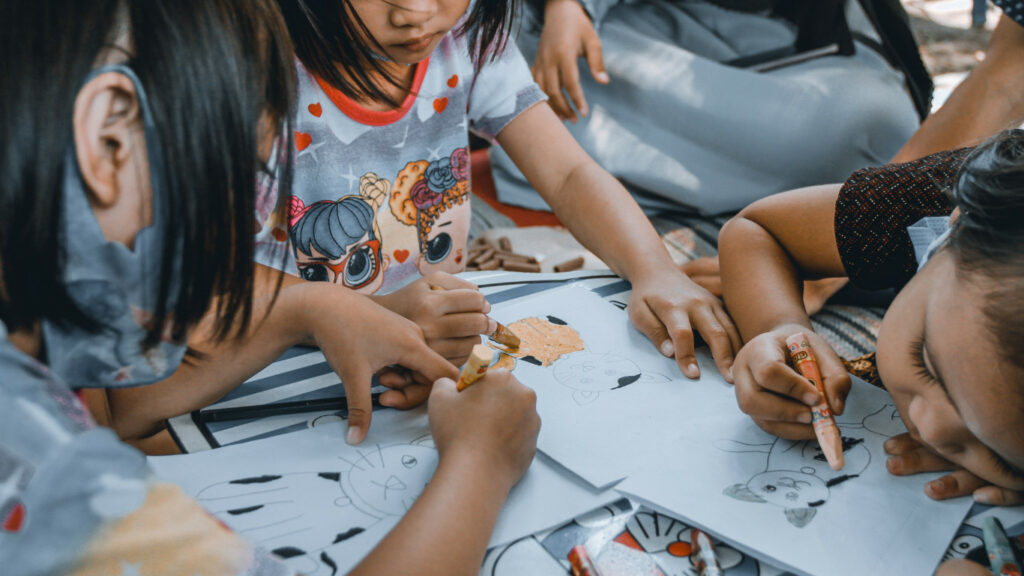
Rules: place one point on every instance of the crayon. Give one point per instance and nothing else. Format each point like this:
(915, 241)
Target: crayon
(581, 563)
(1000, 550)
(569, 265)
(502, 335)
(825, 427)
(475, 368)
(703, 554)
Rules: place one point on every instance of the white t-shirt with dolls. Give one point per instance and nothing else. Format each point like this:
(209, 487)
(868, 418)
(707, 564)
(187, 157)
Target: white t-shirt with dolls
(380, 198)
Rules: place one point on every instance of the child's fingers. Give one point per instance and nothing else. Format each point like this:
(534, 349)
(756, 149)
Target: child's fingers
(360, 403)
(394, 378)
(462, 325)
(712, 284)
(777, 377)
(570, 73)
(763, 405)
(556, 98)
(900, 444)
(787, 430)
(837, 384)
(668, 328)
(918, 460)
(460, 301)
(594, 54)
(456, 350)
(701, 267)
(406, 397)
(953, 485)
(419, 358)
(449, 282)
(718, 339)
(998, 496)
(962, 568)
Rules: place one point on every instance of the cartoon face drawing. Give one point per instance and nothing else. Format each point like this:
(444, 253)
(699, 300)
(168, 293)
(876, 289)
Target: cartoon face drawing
(796, 477)
(588, 374)
(339, 241)
(443, 246)
(387, 481)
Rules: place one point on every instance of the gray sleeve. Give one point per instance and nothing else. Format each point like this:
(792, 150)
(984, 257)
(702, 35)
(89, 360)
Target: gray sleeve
(597, 9)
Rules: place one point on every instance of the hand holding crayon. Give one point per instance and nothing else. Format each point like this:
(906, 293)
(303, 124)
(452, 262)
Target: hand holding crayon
(824, 423)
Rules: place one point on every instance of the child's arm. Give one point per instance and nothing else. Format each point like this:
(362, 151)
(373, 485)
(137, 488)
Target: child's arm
(766, 252)
(486, 436)
(357, 336)
(989, 100)
(599, 211)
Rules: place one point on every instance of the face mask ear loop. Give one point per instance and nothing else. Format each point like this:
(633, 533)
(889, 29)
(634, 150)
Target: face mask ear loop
(161, 201)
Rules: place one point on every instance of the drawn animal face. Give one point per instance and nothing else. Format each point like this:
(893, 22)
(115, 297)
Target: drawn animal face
(386, 481)
(588, 374)
(789, 489)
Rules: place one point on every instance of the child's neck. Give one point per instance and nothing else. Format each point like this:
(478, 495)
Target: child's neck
(401, 74)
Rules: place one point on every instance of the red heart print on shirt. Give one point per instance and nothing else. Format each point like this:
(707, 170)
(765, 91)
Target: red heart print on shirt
(401, 256)
(302, 141)
(440, 104)
(315, 109)
(15, 519)
(453, 81)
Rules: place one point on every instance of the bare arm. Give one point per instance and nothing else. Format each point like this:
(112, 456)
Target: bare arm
(599, 212)
(991, 99)
(357, 336)
(766, 252)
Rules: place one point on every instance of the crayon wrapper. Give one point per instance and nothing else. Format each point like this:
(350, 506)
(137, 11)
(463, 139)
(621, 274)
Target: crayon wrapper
(581, 563)
(475, 368)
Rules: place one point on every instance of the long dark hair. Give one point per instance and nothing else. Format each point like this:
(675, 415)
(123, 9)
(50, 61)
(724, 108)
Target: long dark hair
(328, 34)
(213, 71)
(987, 240)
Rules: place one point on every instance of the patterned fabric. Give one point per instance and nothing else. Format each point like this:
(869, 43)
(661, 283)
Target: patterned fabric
(876, 205)
(1012, 8)
(381, 198)
(75, 500)
(865, 368)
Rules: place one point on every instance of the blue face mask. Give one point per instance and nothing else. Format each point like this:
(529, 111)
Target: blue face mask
(116, 286)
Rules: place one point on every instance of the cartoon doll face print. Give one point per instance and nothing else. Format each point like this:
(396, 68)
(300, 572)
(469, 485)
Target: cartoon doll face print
(339, 241)
(443, 248)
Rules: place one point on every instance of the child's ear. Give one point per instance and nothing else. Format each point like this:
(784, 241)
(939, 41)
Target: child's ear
(106, 122)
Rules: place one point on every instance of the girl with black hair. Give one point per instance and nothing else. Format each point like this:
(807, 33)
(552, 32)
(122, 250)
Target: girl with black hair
(951, 345)
(387, 92)
(133, 134)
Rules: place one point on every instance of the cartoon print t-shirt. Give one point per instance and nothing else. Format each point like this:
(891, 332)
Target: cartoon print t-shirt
(75, 500)
(380, 198)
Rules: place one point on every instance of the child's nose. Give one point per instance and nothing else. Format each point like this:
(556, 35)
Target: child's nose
(412, 13)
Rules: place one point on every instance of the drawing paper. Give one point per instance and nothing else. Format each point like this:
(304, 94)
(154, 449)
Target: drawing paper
(780, 500)
(607, 399)
(323, 505)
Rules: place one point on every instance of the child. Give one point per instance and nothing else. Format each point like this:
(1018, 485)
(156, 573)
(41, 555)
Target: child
(950, 346)
(147, 124)
(387, 92)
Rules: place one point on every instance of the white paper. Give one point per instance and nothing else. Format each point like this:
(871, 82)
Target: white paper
(772, 498)
(611, 401)
(327, 504)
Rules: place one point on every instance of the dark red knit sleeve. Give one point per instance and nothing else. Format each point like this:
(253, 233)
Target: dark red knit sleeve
(876, 205)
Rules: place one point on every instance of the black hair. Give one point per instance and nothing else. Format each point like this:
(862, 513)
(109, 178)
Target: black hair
(214, 72)
(331, 227)
(987, 240)
(329, 34)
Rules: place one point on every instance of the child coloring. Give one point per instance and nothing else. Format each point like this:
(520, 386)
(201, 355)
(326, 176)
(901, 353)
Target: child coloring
(388, 91)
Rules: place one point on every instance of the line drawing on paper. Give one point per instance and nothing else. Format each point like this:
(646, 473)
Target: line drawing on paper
(796, 476)
(301, 515)
(552, 342)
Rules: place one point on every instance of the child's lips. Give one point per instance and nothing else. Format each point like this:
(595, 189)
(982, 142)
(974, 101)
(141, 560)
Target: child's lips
(417, 44)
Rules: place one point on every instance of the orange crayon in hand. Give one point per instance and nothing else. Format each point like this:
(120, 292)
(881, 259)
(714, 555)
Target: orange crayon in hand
(824, 423)
(475, 368)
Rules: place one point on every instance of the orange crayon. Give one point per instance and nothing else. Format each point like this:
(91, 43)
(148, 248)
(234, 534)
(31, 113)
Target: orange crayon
(475, 368)
(825, 427)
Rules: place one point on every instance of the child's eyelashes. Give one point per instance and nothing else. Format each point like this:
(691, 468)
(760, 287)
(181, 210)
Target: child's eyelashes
(917, 359)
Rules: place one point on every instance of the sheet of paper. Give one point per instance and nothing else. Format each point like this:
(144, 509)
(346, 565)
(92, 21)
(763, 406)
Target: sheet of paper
(780, 500)
(323, 505)
(608, 400)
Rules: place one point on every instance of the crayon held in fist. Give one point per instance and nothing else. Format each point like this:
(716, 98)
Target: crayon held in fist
(501, 335)
(475, 367)
(824, 423)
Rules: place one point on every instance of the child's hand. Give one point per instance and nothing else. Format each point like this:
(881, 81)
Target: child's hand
(358, 338)
(493, 424)
(775, 395)
(568, 34)
(452, 319)
(908, 456)
(669, 306)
